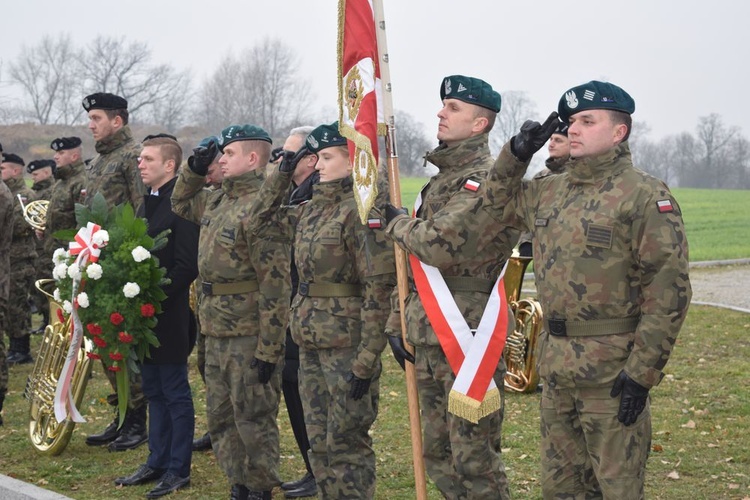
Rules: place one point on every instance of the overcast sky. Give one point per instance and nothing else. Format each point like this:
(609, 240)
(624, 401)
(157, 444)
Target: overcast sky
(679, 59)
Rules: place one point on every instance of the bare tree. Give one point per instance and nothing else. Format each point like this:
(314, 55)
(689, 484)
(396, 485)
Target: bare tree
(412, 144)
(48, 75)
(516, 108)
(112, 65)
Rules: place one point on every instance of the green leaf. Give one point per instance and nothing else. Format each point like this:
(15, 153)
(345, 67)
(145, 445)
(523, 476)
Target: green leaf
(123, 392)
(99, 210)
(83, 214)
(65, 234)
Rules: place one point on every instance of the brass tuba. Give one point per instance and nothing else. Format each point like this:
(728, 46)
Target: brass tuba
(48, 435)
(520, 347)
(35, 213)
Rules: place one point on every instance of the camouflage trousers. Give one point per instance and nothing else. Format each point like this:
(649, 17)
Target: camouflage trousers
(586, 452)
(19, 314)
(341, 453)
(463, 459)
(3, 351)
(242, 413)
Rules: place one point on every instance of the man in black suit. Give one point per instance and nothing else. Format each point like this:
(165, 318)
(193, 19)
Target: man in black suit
(165, 372)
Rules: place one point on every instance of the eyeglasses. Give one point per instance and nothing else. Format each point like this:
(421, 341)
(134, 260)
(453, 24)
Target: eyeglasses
(159, 136)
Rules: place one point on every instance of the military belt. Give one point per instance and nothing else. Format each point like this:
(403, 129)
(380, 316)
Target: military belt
(329, 289)
(463, 284)
(590, 328)
(229, 288)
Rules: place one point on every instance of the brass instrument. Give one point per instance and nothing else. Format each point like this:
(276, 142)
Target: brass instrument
(48, 435)
(35, 213)
(520, 347)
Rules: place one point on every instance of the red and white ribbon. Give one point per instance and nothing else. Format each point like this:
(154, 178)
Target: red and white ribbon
(86, 250)
(473, 358)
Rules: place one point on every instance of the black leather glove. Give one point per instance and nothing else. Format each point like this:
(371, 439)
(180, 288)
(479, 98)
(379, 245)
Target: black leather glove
(391, 212)
(265, 369)
(290, 159)
(276, 154)
(532, 137)
(202, 157)
(525, 250)
(360, 386)
(399, 351)
(633, 399)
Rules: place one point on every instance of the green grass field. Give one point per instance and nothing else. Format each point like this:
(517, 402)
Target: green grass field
(717, 221)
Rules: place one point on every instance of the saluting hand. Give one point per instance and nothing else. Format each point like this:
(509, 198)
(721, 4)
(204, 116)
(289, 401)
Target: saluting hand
(202, 157)
(290, 159)
(532, 137)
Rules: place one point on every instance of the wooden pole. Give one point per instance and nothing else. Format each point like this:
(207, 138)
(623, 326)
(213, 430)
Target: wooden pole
(420, 482)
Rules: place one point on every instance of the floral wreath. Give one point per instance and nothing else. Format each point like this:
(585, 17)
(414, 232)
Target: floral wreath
(110, 285)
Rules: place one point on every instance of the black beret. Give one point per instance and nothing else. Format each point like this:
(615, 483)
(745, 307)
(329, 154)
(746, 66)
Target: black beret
(594, 95)
(104, 100)
(1, 148)
(63, 143)
(562, 129)
(40, 164)
(11, 158)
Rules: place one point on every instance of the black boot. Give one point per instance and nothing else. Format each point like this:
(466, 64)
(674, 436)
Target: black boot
(259, 495)
(203, 443)
(12, 351)
(134, 431)
(301, 488)
(238, 492)
(23, 352)
(108, 435)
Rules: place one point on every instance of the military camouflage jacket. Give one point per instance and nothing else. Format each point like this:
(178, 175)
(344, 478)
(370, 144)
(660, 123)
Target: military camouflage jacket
(69, 189)
(609, 242)
(23, 246)
(7, 213)
(114, 171)
(43, 189)
(229, 252)
(554, 166)
(332, 246)
(452, 233)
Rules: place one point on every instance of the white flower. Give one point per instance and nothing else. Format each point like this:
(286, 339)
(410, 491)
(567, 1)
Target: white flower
(60, 256)
(56, 295)
(131, 289)
(100, 238)
(94, 271)
(74, 271)
(83, 300)
(140, 254)
(60, 271)
(67, 307)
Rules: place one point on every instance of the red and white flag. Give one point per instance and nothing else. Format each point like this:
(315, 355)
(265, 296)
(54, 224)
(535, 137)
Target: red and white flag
(360, 95)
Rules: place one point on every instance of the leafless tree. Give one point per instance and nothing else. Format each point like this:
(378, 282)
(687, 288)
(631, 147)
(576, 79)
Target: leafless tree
(48, 75)
(412, 144)
(516, 108)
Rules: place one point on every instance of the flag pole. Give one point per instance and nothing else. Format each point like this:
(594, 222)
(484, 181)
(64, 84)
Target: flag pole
(394, 185)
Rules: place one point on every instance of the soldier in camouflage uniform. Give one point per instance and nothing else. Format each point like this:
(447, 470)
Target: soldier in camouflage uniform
(243, 310)
(612, 276)
(42, 172)
(449, 233)
(559, 153)
(113, 172)
(22, 258)
(7, 205)
(346, 274)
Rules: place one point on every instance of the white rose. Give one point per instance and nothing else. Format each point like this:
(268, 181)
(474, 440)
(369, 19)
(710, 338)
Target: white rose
(74, 271)
(140, 254)
(83, 300)
(60, 256)
(67, 307)
(100, 238)
(60, 271)
(131, 289)
(56, 295)
(94, 271)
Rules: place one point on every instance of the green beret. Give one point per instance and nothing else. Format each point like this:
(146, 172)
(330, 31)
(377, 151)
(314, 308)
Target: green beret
(104, 100)
(594, 95)
(242, 133)
(471, 90)
(63, 143)
(325, 136)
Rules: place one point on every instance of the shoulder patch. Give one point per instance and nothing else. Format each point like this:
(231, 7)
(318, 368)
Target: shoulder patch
(374, 223)
(664, 206)
(472, 185)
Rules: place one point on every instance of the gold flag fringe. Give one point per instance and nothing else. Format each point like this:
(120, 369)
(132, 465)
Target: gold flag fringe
(472, 410)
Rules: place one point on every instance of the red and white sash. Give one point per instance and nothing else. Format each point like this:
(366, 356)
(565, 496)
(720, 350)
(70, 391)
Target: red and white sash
(472, 357)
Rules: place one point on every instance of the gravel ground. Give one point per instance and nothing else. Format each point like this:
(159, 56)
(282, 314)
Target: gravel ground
(720, 284)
